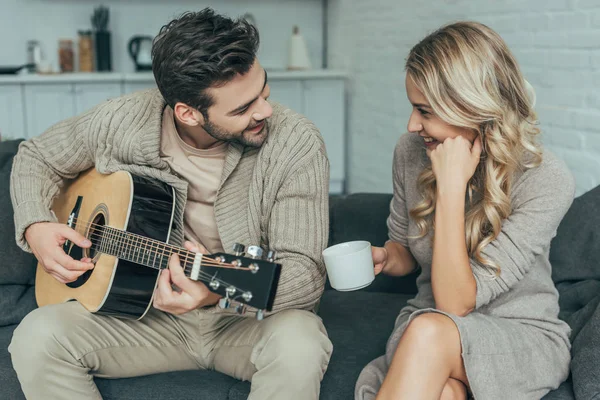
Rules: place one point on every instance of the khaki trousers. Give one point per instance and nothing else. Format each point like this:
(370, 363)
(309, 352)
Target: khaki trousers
(57, 350)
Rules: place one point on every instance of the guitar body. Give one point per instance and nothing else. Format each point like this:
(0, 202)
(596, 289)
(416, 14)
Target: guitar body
(123, 201)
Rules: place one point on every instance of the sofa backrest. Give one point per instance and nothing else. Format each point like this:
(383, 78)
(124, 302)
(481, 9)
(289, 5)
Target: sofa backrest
(363, 216)
(575, 251)
(17, 268)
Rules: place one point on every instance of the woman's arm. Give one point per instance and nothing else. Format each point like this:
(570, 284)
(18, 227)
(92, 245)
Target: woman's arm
(540, 199)
(396, 260)
(452, 281)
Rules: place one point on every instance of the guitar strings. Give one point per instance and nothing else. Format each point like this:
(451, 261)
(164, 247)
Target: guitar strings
(204, 276)
(110, 245)
(112, 234)
(144, 244)
(98, 240)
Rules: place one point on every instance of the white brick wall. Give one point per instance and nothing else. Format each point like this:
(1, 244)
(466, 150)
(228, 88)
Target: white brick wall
(557, 43)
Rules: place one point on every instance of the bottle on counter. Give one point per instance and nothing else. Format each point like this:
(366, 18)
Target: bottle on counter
(34, 55)
(298, 58)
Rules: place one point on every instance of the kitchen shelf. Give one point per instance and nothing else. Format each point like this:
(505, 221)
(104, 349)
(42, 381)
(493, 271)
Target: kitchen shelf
(148, 77)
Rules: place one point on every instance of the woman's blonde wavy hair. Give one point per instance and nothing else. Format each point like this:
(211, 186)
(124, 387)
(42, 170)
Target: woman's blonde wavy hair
(471, 80)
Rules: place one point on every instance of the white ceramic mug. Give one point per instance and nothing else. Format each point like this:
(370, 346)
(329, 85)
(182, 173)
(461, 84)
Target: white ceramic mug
(349, 265)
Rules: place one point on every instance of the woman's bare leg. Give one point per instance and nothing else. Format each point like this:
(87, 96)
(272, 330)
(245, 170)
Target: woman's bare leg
(428, 355)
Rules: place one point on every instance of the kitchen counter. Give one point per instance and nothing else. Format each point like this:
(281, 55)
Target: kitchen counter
(148, 77)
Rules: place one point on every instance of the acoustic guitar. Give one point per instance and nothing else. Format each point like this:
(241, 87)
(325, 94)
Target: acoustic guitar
(128, 219)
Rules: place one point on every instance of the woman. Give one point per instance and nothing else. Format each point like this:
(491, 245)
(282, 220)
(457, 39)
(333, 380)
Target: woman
(476, 204)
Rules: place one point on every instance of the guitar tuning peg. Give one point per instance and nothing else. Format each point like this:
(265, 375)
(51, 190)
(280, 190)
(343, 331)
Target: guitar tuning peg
(224, 302)
(260, 315)
(271, 255)
(240, 309)
(238, 249)
(255, 252)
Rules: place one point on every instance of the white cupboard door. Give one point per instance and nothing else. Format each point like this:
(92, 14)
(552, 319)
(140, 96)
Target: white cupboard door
(47, 104)
(324, 105)
(131, 87)
(89, 95)
(12, 119)
(287, 93)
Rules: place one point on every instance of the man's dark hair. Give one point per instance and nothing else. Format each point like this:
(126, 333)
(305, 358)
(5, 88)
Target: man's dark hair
(199, 50)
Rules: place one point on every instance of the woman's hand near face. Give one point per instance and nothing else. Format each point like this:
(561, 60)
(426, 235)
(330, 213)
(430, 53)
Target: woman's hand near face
(454, 162)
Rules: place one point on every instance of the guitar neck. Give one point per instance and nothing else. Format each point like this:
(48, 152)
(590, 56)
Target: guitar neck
(155, 254)
(141, 250)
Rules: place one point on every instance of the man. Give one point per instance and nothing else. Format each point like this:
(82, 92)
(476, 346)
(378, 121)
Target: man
(244, 170)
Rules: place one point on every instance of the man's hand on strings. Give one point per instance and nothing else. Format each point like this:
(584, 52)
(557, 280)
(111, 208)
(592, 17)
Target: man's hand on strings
(46, 240)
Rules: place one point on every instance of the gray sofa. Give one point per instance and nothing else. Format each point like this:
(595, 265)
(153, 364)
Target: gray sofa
(358, 322)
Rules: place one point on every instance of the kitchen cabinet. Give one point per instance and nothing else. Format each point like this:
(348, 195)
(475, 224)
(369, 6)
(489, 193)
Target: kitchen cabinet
(324, 105)
(12, 117)
(88, 95)
(130, 87)
(31, 104)
(288, 92)
(49, 103)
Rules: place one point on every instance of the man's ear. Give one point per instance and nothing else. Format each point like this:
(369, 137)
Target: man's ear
(188, 115)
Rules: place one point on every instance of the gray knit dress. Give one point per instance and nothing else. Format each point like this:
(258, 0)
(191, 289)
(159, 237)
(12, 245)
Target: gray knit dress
(513, 344)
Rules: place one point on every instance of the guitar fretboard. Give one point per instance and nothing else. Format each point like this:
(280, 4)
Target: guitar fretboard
(139, 249)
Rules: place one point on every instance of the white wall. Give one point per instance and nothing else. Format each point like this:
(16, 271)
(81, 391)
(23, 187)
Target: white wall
(557, 43)
(50, 20)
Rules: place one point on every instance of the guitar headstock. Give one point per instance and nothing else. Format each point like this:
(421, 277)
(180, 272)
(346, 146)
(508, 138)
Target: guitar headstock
(242, 278)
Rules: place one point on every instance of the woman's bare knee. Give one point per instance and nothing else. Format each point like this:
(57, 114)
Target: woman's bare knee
(432, 331)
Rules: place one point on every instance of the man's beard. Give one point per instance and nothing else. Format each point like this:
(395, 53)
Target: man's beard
(251, 140)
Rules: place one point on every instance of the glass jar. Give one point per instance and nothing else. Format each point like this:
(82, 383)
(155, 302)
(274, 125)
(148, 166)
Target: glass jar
(86, 52)
(65, 55)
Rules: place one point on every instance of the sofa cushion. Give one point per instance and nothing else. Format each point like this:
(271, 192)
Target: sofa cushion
(363, 216)
(9, 384)
(16, 301)
(239, 391)
(201, 385)
(17, 268)
(358, 324)
(564, 392)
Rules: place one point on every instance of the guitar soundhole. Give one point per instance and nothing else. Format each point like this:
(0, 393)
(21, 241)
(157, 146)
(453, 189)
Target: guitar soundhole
(94, 233)
(81, 280)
